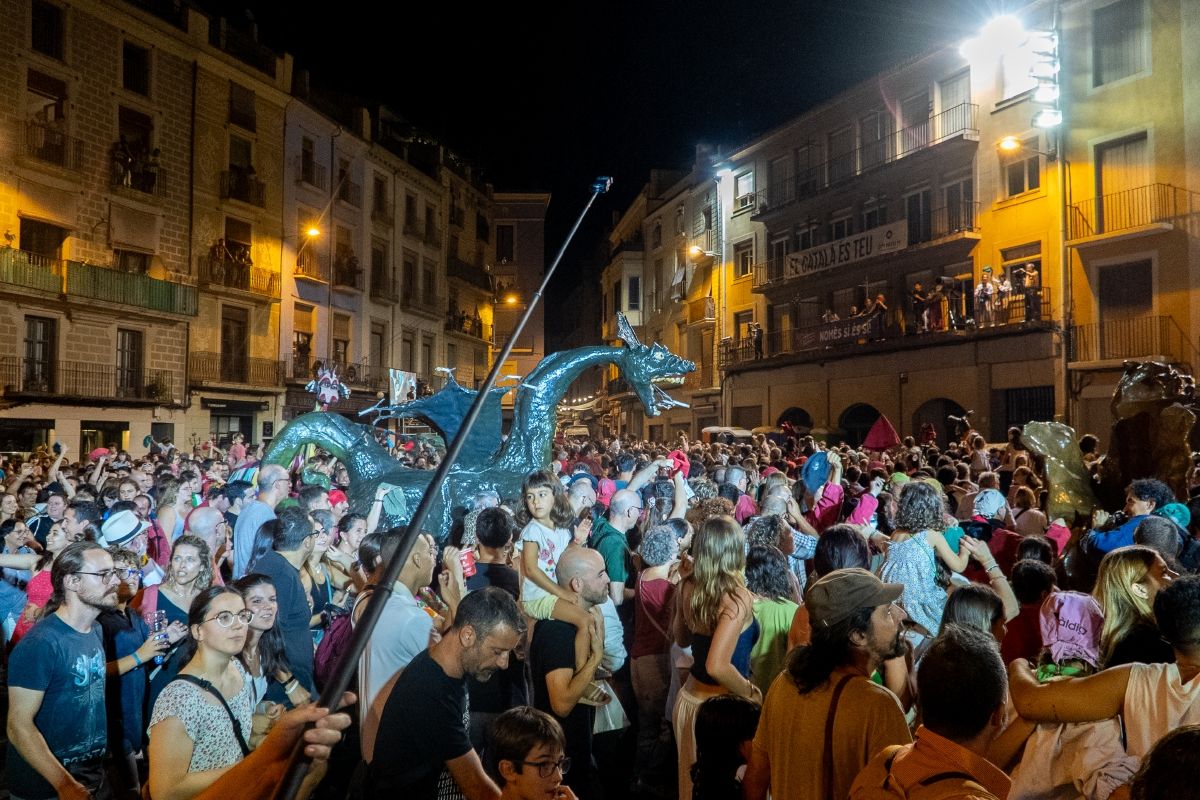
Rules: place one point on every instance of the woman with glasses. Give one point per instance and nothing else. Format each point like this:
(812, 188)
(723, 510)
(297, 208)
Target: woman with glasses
(38, 590)
(130, 650)
(263, 656)
(315, 575)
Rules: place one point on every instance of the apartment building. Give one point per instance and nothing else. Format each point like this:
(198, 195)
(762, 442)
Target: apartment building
(469, 285)
(518, 270)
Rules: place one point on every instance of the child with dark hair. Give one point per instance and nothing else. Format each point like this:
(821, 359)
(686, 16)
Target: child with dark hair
(524, 755)
(1032, 582)
(725, 727)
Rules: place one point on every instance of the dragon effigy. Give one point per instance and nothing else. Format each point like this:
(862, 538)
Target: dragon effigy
(487, 461)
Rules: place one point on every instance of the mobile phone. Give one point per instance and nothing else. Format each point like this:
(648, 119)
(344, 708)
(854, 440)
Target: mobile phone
(467, 559)
(195, 500)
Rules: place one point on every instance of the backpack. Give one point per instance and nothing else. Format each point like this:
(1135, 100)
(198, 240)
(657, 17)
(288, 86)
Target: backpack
(939, 786)
(335, 642)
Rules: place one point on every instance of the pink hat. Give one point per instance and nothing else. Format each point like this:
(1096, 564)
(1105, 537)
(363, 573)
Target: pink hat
(681, 462)
(605, 491)
(337, 496)
(1070, 623)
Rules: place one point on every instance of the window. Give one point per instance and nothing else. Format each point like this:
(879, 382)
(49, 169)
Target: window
(1024, 405)
(805, 237)
(428, 284)
(427, 357)
(741, 325)
(48, 29)
(635, 293)
(1022, 174)
(808, 169)
(656, 235)
(135, 68)
(874, 214)
(1126, 291)
(41, 238)
(1118, 41)
(129, 363)
(241, 154)
(138, 166)
(341, 338)
(379, 196)
(235, 334)
(914, 113)
(45, 107)
(960, 205)
(841, 155)
(132, 261)
(41, 346)
(378, 344)
(407, 351)
(381, 278)
(483, 230)
(919, 214)
(303, 326)
(430, 220)
(410, 212)
(409, 277)
(241, 106)
(451, 355)
(616, 306)
(743, 258)
(874, 135)
(840, 227)
(779, 181)
(680, 213)
(1015, 64)
(308, 163)
(743, 190)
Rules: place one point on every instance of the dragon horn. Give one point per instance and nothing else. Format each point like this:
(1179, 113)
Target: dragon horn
(625, 333)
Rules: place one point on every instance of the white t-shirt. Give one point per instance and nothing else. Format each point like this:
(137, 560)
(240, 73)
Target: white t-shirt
(1156, 703)
(551, 542)
(401, 633)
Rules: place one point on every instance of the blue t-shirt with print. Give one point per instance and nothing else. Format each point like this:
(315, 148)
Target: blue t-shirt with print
(68, 668)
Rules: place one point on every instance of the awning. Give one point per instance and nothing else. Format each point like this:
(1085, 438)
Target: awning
(233, 408)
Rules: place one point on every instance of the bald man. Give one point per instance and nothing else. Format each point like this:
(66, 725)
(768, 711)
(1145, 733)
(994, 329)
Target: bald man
(610, 538)
(209, 524)
(557, 686)
(273, 486)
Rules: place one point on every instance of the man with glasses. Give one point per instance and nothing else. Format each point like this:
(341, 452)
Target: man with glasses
(273, 486)
(57, 728)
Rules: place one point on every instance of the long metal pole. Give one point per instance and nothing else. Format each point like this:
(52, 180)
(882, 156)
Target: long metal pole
(297, 763)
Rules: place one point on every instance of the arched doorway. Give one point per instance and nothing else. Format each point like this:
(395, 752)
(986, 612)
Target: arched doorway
(936, 412)
(799, 419)
(856, 422)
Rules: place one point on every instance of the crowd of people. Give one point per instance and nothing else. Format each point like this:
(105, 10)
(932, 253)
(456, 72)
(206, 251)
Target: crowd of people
(781, 619)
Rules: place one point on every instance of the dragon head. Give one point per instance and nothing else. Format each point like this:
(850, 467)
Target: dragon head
(643, 364)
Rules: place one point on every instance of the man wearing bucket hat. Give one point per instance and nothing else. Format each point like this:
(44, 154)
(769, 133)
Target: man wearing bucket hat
(823, 715)
(125, 529)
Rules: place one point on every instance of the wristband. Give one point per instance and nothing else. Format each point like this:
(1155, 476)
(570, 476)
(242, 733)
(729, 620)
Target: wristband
(137, 660)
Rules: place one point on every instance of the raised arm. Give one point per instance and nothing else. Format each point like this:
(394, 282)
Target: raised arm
(1096, 697)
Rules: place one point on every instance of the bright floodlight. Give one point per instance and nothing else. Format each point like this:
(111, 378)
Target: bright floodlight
(1010, 144)
(1046, 93)
(1047, 118)
(1000, 35)
(313, 231)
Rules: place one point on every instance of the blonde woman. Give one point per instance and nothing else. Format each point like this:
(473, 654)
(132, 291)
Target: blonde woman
(188, 574)
(715, 616)
(1129, 580)
(173, 506)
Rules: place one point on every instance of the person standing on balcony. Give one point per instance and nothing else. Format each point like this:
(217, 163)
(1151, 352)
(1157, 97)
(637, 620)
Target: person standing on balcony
(1032, 282)
(985, 294)
(920, 310)
(756, 338)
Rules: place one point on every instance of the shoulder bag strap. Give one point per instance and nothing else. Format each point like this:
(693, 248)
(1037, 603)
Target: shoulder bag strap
(650, 616)
(208, 687)
(829, 720)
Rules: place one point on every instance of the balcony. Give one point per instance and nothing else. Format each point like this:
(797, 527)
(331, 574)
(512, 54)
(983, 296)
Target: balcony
(1158, 203)
(51, 145)
(461, 322)
(350, 192)
(309, 264)
(874, 334)
(346, 272)
(312, 173)
(468, 272)
(84, 380)
(701, 311)
(224, 368)
(1113, 341)
(458, 216)
(381, 211)
(433, 235)
(242, 186)
(301, 368)
(113, 286)
(957, 122)
(229, 273)
(137, 176)
(91, 282)
(383, 287)
(412, 228)
(946, 226)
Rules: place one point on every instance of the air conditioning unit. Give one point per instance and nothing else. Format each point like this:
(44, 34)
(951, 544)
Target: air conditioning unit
(745, 201)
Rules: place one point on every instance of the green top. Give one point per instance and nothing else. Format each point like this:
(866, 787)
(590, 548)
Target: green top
(610, 543)
(767, 657)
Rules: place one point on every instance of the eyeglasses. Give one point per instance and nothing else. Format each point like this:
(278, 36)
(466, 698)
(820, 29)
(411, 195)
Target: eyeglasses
(225, 618)
(125, 573)
(546, 768)
(105, 575)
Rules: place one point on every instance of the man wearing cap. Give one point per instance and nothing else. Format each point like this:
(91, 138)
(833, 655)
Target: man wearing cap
(962, 689)
(823, 717)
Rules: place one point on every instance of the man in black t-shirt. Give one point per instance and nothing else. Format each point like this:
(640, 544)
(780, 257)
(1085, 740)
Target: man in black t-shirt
(56, 721)
(423, 727)
(557, 687)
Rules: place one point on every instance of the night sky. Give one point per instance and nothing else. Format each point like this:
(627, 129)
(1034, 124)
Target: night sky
(546, 98)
